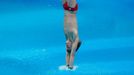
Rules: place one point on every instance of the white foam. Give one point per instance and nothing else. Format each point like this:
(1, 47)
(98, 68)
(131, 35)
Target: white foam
(64, 67)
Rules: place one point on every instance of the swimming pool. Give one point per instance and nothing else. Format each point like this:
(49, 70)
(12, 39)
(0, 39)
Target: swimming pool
(32, 41)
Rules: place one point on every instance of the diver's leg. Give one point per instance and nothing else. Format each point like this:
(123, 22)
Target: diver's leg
(72, 3)
(75, 41)
(63, 1)
(73, 51)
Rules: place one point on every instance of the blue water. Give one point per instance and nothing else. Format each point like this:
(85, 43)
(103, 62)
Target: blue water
(32, 41)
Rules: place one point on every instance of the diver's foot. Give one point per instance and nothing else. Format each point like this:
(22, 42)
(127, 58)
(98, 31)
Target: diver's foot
(78, 46)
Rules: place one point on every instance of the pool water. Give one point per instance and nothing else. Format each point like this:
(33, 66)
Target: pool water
(32, 40)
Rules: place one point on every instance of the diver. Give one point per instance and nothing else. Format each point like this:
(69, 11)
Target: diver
(71, 31)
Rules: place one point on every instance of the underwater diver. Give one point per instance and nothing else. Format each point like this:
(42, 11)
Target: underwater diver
(71, 31)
